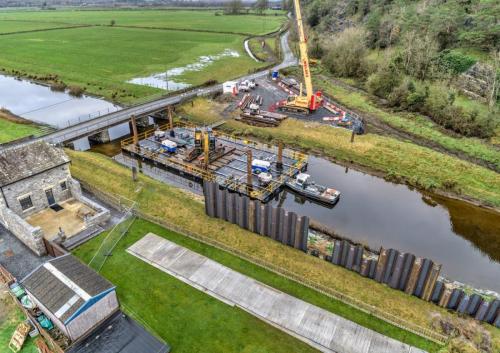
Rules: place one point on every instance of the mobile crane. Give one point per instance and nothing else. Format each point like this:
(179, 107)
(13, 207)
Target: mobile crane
(309, 102)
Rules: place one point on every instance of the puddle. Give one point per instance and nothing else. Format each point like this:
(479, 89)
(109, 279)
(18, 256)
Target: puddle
(167, 80)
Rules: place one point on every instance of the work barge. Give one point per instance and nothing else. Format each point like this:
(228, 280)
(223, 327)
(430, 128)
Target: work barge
(201, 153)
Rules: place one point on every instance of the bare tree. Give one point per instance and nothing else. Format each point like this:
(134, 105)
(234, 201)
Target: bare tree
(234, 7)
(261, 6)
(494, 83)
(417, 54)
(346, 53)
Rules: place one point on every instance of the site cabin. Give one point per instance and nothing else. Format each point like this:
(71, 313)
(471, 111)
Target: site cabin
(72, 295)
(230, 87)
(169, 146)
(34, 180)
(259, 166)
(159, 135)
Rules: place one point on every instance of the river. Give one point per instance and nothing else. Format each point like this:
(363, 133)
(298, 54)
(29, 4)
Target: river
(42, 105)
(465, 239)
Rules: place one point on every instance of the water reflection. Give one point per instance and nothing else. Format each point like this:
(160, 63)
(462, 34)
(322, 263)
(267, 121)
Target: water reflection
(464, 238)
(40, 104)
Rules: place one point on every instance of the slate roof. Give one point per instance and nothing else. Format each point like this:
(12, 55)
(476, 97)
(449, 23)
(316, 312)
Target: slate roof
(20, 162)
(120, 334)
(64, 284)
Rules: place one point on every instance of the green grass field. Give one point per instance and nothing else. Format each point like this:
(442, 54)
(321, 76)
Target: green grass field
(20, 26)
(188, 319)
(102, 59)
(11, 131)
(131, 284)
(193, 20)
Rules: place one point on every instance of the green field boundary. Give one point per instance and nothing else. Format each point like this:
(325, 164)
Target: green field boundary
(44, 29)
(393, 320)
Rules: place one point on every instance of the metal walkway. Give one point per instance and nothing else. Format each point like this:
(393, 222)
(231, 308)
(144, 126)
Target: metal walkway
(317, 327)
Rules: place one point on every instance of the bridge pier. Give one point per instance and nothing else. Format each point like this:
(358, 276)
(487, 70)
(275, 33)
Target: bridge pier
(101, 137)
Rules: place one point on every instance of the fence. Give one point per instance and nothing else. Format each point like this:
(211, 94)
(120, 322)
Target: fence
(329, 292)
(111, 240)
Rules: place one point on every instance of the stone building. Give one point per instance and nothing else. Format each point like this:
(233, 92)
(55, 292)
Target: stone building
(39, 198)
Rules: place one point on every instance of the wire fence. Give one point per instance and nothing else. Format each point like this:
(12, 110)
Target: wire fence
(378, 313)
(109, 243)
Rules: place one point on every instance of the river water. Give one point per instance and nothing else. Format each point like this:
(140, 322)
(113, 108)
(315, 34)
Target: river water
(465, 239)
(40, 104)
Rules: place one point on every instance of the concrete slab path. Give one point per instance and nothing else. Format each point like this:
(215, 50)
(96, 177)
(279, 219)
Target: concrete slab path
(321, 329)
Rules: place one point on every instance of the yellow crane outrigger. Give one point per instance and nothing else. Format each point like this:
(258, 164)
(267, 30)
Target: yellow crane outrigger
(309, 102)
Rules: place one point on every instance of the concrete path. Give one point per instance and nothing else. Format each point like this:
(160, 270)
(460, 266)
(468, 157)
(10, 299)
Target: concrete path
(319, 328)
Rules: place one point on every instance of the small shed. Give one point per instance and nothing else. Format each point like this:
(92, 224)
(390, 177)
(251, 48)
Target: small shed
(72, 295)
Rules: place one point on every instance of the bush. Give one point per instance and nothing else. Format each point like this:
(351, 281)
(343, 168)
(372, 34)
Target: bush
(76, 91)
(58, 86)
(345, 55)
(454, 62)
(383, 82)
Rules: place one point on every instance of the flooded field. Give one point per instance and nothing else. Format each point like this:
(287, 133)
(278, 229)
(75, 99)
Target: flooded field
(42, 105)
(463, 238)
(170, 80)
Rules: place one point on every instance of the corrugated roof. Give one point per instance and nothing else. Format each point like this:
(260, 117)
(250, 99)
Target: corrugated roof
(20, 162)
(64, 284)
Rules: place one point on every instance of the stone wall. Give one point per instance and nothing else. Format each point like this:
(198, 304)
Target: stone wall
(102, 214)
(31, 236)
(35, 187)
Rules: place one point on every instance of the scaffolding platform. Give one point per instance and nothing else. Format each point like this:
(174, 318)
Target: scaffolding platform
(227, 161)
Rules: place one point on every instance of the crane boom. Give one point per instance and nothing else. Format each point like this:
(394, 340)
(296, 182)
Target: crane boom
(311, 101)
(304, 57)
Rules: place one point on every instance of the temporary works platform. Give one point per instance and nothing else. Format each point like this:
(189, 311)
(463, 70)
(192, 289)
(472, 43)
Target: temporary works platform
(227, 158)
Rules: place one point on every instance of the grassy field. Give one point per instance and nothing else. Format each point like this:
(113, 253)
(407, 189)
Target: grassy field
(173, 205)
(102, 59)
(188, 319)
(414, 124)
(20, 26)
(11, 131)
(178, 19)
(10, 317)
(130, 287)
(258, 51)
(397, 160)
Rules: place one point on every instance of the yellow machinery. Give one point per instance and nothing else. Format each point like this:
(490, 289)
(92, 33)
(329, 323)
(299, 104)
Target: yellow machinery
(310, 101)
